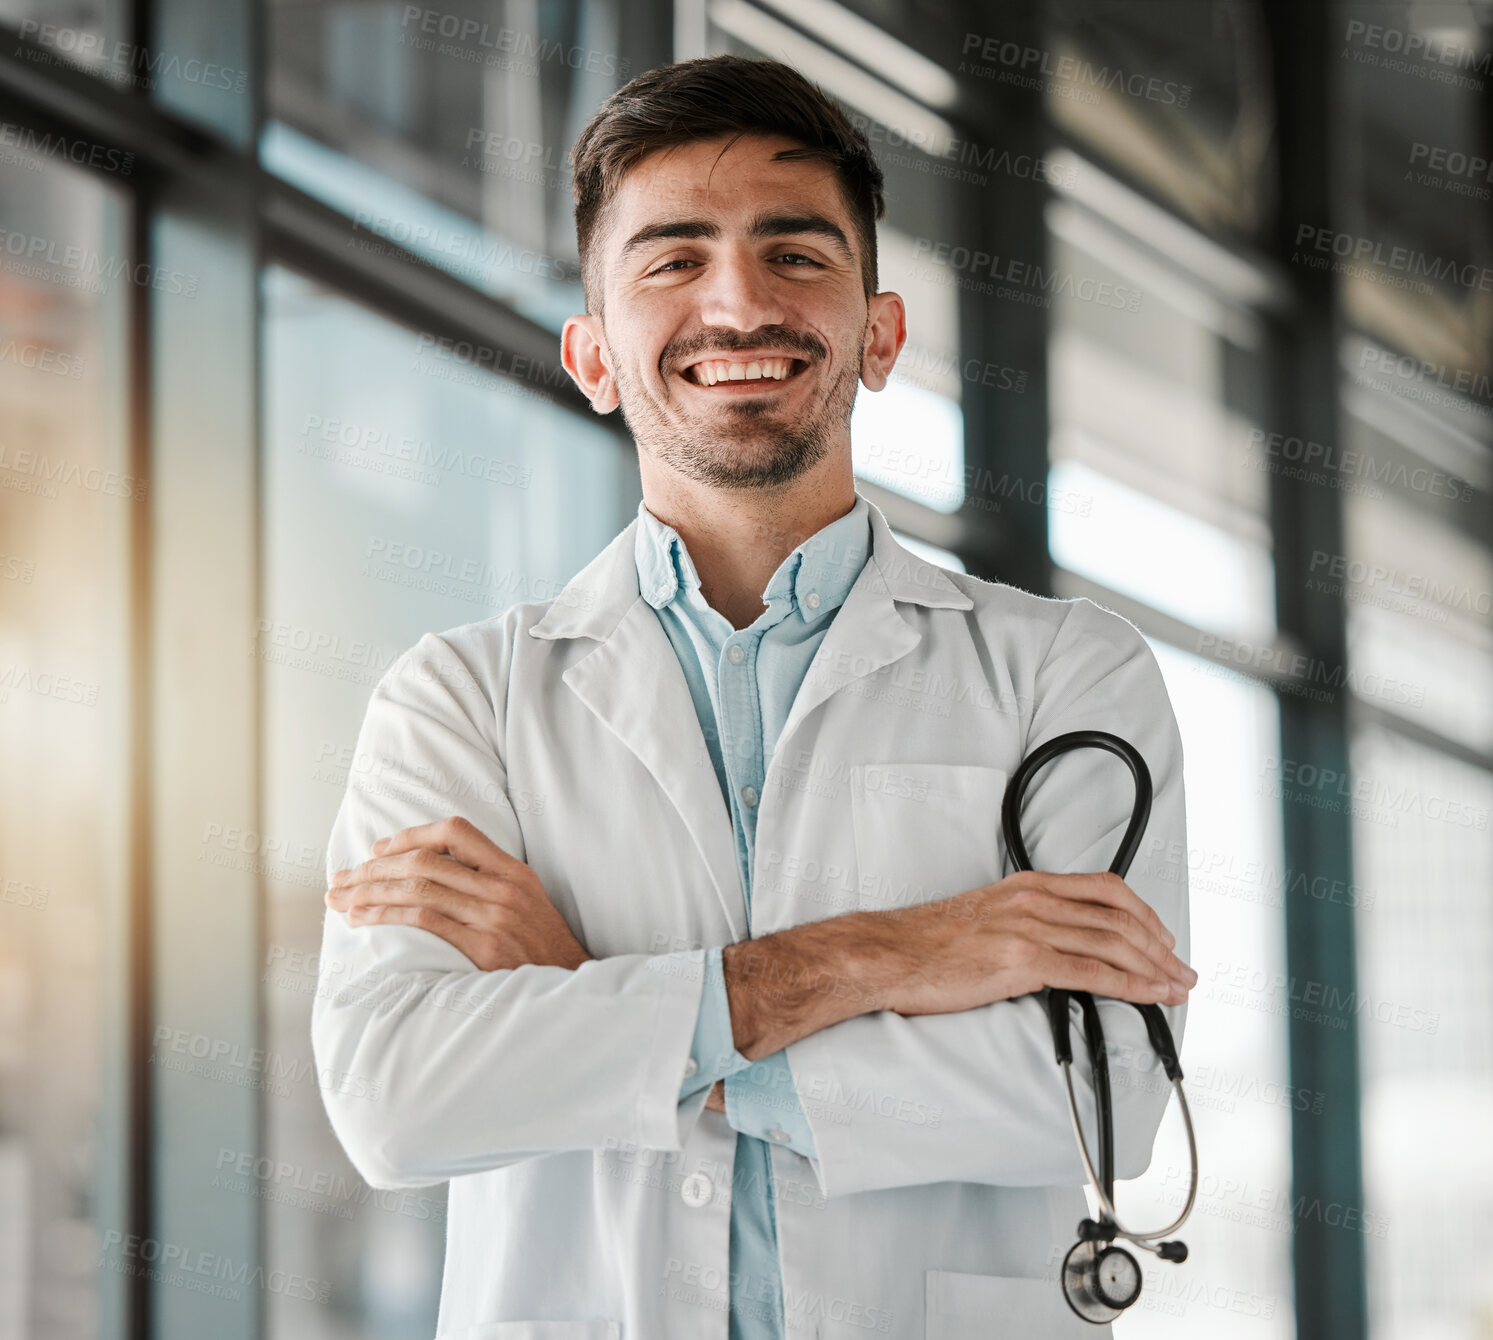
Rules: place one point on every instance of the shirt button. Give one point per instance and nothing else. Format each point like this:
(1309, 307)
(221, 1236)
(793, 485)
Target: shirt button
(812, 600)
(696, 1190)
(749, 795)
(690, 1067)
(734, 654)
(778, 1137)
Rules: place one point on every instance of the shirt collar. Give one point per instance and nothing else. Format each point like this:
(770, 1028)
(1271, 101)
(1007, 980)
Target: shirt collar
(816, 577)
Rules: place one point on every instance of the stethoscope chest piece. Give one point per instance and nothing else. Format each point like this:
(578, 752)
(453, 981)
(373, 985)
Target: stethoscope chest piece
(1100, 1280)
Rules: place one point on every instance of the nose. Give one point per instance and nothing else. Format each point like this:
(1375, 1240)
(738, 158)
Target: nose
(738, 291)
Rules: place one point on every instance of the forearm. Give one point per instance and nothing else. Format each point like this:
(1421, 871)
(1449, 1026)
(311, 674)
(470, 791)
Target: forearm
(461, 1062)
(788, 985)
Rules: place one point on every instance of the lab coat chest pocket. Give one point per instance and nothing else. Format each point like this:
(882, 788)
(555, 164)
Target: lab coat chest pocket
(925, 831)
(1001, 1307)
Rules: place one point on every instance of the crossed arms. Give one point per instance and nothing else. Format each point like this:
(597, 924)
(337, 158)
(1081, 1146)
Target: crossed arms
(543, 1048)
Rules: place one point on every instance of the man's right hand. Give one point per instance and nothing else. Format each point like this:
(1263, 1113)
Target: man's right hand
(1082, 932)
(1030, 930)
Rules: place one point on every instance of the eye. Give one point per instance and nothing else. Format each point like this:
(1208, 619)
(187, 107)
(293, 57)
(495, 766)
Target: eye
(786, 256)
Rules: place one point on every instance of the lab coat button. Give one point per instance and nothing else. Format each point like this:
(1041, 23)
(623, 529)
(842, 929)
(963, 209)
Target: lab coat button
(778, 1137)
(690, 1067)
(696, 1190)
(735, 655)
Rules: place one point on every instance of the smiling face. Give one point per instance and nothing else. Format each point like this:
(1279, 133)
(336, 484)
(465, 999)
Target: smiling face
(736, 325)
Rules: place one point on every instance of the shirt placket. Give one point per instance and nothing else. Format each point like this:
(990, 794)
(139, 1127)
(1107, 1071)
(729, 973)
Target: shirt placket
(757, 1308)
(741, 738)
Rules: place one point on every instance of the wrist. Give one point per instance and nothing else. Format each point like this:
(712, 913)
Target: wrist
(783, 987)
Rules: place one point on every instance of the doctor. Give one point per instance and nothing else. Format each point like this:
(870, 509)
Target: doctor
(672, 917)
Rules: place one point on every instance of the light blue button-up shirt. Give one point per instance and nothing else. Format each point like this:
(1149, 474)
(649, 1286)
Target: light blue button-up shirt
(743, 684)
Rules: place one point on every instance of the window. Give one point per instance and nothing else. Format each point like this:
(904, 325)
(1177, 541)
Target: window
(445, 130)
(1416, 577)
(69, 499)
(402, 495)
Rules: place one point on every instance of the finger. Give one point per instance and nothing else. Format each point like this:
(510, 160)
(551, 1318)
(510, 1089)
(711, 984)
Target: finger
(419, 863)
(1102, 917)
(1106, 945)
(452, 932)
(1071, 972)
(449, 902)
(1104, 887)
(452, 837)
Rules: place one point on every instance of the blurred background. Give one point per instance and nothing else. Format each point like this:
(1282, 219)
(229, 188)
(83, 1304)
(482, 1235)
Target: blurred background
(1200, 303)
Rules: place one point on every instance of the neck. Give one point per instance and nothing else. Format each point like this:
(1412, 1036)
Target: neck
(738, 538)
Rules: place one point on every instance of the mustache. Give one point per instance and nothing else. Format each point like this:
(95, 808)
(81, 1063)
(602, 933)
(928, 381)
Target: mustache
(731, 342)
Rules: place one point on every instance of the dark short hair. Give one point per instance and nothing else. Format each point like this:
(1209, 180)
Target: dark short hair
(704, 99)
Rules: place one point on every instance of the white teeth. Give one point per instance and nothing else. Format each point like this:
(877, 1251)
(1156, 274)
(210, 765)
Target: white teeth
(719, 370)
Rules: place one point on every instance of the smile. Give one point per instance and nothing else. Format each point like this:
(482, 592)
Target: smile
(759, 374)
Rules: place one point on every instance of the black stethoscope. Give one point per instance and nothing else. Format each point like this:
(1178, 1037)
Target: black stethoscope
(1100, 1280)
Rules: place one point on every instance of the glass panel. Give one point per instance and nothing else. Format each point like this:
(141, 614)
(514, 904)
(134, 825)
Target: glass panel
(1156, 390)
(1417, 580)
(1132, 543)
(397, 501)
(1409, 240)
(447, 129)
(1425, 1012)
(1237, 1280)
(1178, 96)
(65, 501)
(86, 33)
(1419, 594)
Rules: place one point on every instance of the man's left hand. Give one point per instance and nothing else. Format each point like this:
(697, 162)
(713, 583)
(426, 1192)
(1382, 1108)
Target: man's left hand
(449, 878)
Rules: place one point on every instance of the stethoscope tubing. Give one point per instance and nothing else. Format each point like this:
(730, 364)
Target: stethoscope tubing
(1156, 1027)
(1107, 1205)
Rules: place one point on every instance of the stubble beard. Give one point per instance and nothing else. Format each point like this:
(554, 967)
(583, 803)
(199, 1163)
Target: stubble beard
(749, 448)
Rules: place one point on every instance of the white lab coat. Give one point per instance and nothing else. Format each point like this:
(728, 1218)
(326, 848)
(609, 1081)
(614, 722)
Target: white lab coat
(585, 1200)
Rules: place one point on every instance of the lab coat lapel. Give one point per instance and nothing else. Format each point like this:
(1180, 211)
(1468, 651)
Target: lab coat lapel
(865, 634)
(634, 683)
(867, 631)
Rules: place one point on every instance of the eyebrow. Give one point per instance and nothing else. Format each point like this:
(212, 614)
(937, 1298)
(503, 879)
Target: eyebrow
(764, 225)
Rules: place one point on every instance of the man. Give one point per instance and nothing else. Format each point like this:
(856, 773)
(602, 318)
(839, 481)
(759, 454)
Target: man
(674, 924)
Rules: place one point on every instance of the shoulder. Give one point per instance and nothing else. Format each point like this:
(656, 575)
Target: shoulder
(1054, 626)
(471, 658)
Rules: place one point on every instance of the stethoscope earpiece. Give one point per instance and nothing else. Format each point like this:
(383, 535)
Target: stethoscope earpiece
(1100, 1280)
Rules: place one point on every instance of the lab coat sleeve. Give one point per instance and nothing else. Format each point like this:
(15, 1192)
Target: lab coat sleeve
(432, 1068)
(977, 1096)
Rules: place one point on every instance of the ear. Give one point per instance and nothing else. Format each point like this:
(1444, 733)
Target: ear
(585, 356)
(887, 333)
